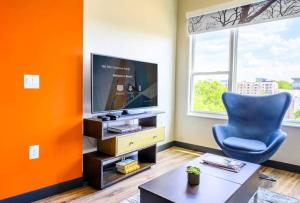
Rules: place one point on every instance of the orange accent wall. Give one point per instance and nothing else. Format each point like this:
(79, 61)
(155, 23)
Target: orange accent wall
(40, 37)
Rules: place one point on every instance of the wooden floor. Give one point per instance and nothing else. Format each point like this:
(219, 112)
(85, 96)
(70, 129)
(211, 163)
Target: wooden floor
(287, 183)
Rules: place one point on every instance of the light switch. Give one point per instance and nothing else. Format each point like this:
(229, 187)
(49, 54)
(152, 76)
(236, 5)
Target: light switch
(34, 152)
(31, 81)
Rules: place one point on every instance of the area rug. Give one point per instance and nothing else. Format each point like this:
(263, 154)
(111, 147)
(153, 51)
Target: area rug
(263, 196)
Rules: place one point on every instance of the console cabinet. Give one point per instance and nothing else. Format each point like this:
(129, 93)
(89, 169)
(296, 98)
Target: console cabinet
(99, 166)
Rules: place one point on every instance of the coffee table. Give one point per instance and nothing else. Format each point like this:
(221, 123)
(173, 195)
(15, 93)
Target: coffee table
(216, 185)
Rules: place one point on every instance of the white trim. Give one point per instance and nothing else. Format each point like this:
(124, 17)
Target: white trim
(190, 82)
(231, 73)
(207, 114)
(219, 7)
(291, 123)
(234, 54)
(210, 73)
(224, 117)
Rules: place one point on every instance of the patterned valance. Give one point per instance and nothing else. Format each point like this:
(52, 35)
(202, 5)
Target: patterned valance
(260, 12)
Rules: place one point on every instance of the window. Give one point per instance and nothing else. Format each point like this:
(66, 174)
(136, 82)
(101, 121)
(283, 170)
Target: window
(260, 59)
(209, 77)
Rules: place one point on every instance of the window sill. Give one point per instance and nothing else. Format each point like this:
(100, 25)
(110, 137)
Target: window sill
(220, 116)
(201, 114)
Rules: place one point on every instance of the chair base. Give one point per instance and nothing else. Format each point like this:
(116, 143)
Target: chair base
(266, 177)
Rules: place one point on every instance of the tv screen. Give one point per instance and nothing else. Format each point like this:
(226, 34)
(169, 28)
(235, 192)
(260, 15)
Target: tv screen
(122, 84)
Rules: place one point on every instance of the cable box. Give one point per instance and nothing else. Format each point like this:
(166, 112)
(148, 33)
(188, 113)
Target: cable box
(124, 128)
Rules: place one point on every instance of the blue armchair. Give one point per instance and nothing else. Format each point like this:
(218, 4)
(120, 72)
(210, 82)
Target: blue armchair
(253, 131)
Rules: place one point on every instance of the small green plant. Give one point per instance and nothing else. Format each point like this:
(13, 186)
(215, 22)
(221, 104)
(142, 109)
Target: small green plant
(193, 170)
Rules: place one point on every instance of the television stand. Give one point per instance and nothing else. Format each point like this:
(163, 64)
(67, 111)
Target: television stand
(133, 111)
(99, 167)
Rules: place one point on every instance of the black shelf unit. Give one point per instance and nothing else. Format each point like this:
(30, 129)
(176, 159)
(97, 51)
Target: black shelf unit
(99, 168)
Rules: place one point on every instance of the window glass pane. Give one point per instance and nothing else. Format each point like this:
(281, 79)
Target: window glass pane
(207, 92)
(211, 51)
(269, 60)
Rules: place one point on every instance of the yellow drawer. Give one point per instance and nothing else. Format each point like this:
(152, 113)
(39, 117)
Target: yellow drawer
(153, 137)
(131, 142)
(138, 140)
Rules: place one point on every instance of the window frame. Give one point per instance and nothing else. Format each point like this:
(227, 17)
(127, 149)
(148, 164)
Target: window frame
(231, 73)
(232, 79)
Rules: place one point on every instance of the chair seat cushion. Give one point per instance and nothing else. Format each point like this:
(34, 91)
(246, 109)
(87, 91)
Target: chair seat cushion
(244, 144)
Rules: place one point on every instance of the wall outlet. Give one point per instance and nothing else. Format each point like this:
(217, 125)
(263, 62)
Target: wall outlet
(31, 81)
(34, 152)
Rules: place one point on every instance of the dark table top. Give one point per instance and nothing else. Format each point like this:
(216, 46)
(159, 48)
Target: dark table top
(215, 184)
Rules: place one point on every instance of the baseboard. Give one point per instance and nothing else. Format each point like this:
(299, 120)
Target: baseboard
(198, 148)
(270, 163)
(165, 146)
(282, 166)
(45, 192)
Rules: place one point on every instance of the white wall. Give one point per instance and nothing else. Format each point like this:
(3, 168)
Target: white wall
(134, 29)
(196, 130)
(146, 30)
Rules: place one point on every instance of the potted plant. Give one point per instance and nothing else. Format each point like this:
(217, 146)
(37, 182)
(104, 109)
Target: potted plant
(193, 175)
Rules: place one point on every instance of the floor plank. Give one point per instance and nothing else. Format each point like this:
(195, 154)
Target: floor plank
(287, 183)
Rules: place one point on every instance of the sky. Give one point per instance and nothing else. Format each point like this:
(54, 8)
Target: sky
(269, 50)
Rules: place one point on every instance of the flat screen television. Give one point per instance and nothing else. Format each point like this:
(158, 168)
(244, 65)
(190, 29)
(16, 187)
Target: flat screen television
(122, 84)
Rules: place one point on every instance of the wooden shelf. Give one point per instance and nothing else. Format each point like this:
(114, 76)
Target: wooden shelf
(99, 156)
(112, 176)
(99, 168)
(133, 117)
(96, 128)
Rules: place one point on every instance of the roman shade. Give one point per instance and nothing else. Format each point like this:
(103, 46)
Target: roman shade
(259, 12)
